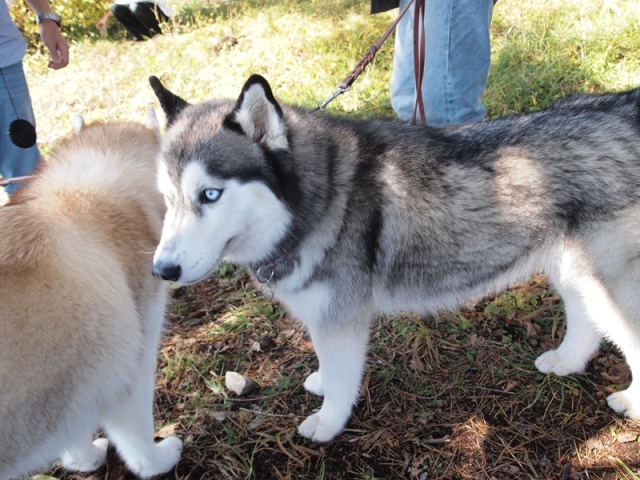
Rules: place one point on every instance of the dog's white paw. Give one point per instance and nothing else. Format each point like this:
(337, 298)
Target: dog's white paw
(168, 453)
(88, 459)
(164, 456)
(313, 384)
(555, 362)
(318, 429)
(625, 403)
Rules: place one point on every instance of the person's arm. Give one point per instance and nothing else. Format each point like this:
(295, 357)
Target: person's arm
(51, 35)
(102, 24)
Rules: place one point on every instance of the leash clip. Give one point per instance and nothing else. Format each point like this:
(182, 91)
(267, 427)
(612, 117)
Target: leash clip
(339, 91)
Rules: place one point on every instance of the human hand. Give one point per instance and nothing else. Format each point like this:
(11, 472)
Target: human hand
(102, 24)
(55, 43)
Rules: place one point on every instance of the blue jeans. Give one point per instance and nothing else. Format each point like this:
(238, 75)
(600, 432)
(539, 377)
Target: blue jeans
(457, 60)
(15, 161)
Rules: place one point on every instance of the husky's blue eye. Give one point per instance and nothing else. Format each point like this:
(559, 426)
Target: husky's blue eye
(210, 195)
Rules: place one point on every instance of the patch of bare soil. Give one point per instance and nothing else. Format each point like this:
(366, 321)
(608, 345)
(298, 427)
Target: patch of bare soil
(454, 397)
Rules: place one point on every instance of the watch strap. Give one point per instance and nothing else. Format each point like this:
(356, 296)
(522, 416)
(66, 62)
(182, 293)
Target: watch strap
(48, 16)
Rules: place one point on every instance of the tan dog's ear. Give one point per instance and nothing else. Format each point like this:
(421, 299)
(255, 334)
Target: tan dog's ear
(78, 122)
(152, 120)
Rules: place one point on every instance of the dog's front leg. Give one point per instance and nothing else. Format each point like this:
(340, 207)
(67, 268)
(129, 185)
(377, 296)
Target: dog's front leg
(129, 424)
(86, 456)
(341, 352)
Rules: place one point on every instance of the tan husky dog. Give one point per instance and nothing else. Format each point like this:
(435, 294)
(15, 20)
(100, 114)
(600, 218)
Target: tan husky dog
(80, 313)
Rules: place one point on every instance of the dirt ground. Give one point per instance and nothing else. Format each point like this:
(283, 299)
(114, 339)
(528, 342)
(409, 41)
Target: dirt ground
(453, 397)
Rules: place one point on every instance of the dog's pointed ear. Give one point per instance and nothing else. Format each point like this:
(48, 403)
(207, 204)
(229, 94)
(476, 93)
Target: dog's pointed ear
(170, 103)
(258, 115)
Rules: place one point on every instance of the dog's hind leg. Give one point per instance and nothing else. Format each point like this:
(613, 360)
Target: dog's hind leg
(581, 339)
(606, 269)
(624, 331)
(606, 287)
(341, 353)
(571, 274)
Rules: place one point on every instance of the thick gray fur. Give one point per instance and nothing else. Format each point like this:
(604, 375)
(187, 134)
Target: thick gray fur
(382, 217)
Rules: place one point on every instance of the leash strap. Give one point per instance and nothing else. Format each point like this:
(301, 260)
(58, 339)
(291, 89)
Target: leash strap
(418, 60)
(367, 59)
(8, 181)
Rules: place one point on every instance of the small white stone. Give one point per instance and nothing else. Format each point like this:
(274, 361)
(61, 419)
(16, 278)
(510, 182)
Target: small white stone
(238, 384)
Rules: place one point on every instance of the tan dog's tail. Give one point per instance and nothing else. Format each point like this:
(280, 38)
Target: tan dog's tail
(152, 120)
(78, 123)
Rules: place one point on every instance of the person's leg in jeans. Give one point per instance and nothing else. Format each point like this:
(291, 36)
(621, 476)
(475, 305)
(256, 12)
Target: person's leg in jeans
(14, 92)
(457, 60)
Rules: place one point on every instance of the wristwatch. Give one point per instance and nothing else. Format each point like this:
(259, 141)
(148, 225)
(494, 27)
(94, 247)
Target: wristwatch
(48, 16)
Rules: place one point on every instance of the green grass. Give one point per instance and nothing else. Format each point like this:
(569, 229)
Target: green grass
(545, 50)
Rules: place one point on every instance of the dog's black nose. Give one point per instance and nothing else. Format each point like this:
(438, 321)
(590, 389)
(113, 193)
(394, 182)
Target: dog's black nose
(167, 271)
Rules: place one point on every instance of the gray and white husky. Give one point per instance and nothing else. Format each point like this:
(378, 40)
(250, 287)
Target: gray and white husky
(345, 219)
